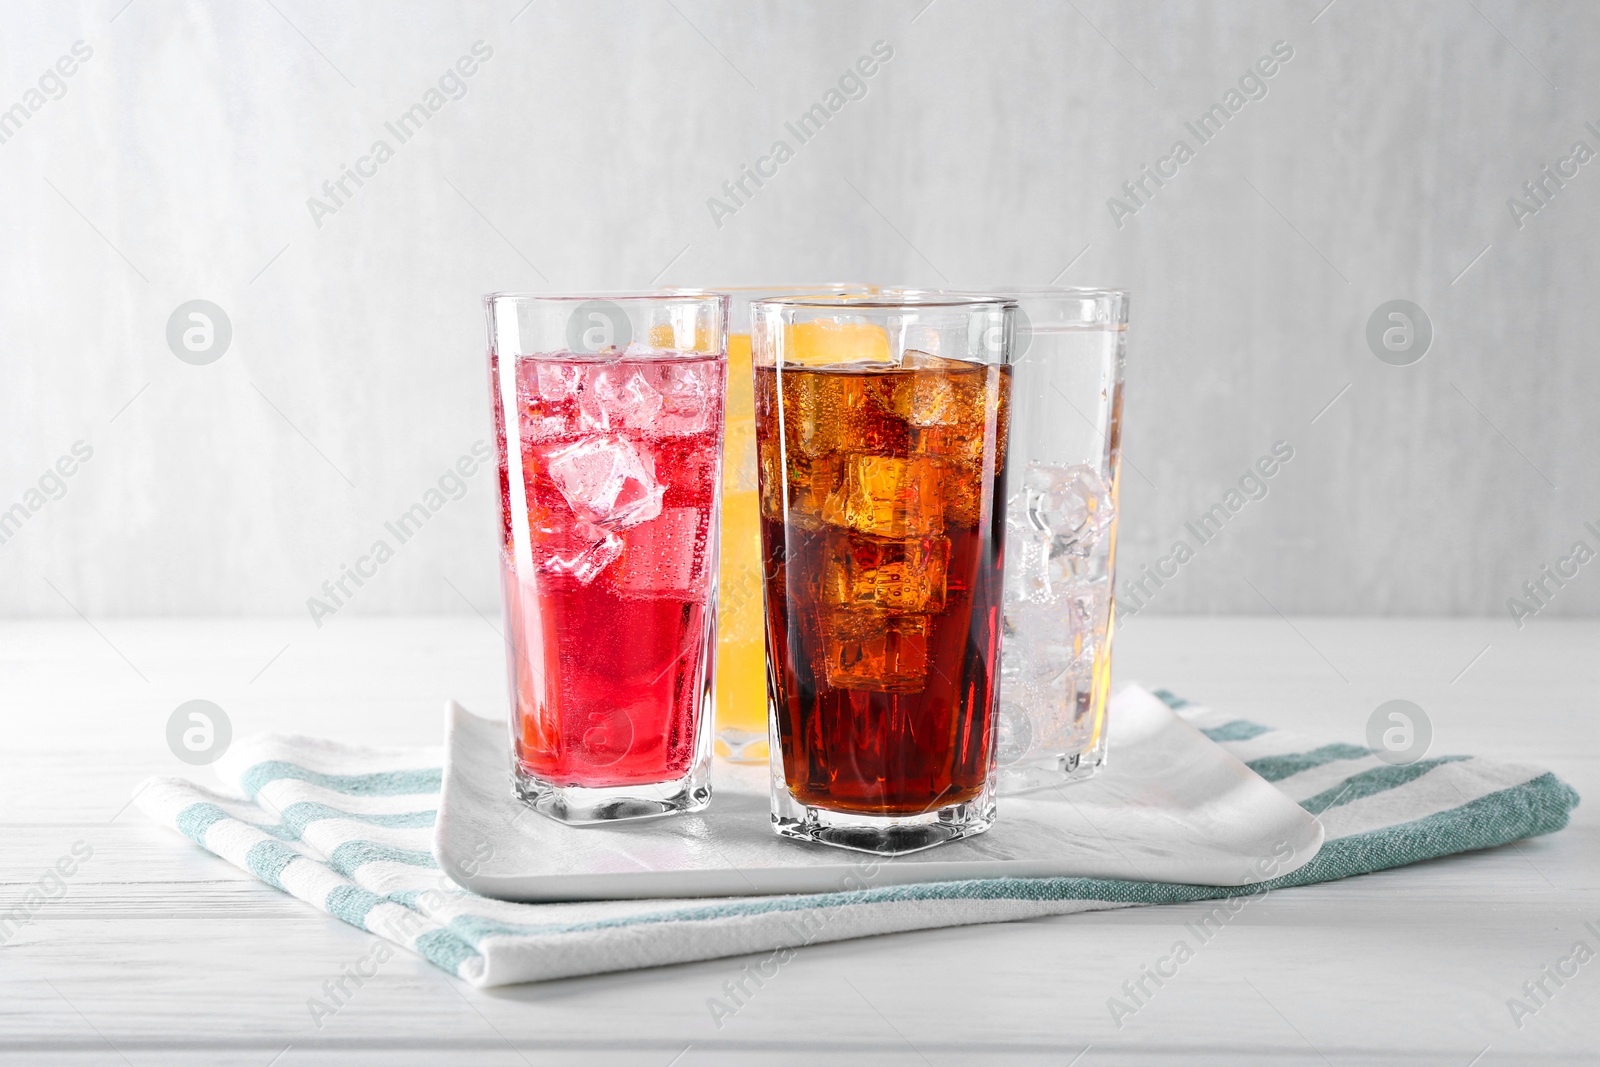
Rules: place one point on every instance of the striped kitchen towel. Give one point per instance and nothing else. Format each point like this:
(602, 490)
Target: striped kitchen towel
(348, 829)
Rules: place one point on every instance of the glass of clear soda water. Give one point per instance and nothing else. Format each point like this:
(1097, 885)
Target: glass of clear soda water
(1062, 478)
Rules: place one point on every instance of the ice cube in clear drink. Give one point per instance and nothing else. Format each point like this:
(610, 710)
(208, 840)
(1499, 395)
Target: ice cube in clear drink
(1028, 570)
(1071, 503)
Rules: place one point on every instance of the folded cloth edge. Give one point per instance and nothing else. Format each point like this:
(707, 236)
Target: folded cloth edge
(488, 953)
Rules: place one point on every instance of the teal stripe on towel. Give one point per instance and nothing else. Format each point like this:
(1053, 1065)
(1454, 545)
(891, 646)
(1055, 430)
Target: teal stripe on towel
(1277, 768)
(444, 949)
(1377, 780)
(1540, 806)
(1237, 730)
(297, 816)
(351, 903)
(381, 784)
(352, 854)
(196, 819)
(268, 859)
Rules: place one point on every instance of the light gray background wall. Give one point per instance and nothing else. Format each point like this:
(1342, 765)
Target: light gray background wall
(178, 163)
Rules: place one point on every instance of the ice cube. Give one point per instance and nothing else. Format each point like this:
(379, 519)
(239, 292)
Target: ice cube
(817, 412)
(1049, 656)
(812, 480)
(1040, 642)
(771, 480)
(688, 396)
(640, 350)
(913, 359)
(944, 392)
(1027, 556)
(545, 409)
(928, 395)
(558, 381)
(606, 480)
(872, 651)
(1042, 566)
(947, 392)
(1069, 503)
(896, 577)
(949, 416)
(580, 549)
(1090, 605)
(623, 397)
(887, 496)
(839, 410)
(666, 557)
(935, 401)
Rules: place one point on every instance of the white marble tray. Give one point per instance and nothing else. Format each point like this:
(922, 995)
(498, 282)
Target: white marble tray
(1171, 806)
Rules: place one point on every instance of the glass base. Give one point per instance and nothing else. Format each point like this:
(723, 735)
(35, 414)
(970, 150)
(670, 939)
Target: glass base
(1031, 775)
(581, 806)
(882, 835)
(742, 746)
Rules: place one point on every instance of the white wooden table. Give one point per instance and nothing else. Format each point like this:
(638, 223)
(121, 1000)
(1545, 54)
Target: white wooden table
(159, 953)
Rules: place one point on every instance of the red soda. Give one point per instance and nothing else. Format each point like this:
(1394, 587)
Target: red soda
(610, 590)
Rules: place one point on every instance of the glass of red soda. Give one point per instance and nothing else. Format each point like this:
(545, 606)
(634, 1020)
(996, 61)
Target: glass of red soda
(608, 414)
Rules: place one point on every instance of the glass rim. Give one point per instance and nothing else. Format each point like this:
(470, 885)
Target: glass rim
(797, 290)
(956, 301)
(629, 295)
(1080, 291)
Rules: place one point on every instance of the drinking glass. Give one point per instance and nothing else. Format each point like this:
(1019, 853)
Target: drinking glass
(881, 473)
(741, 652)
(1061, 535)
(608, 424)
